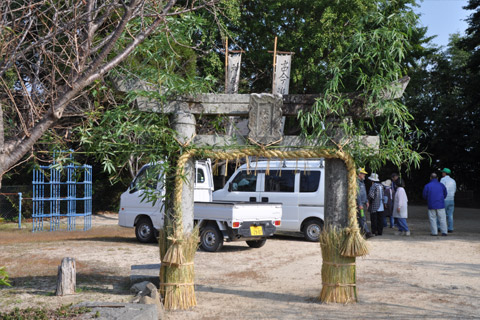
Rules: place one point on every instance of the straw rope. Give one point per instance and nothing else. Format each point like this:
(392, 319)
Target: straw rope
(173, 256)
(339, 264)
(176, 284)
(339, 284)
(353, 246)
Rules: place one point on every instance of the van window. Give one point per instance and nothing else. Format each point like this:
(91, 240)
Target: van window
(146, 178)
(280, 181)
(200, 176)
(244, 182)
(309, 181)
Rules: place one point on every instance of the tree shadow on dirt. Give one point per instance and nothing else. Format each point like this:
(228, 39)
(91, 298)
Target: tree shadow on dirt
(285, 297)
(46, 285)
(115, 239)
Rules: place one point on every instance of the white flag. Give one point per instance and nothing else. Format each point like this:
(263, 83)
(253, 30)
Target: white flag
(282, 74)
(233, 72)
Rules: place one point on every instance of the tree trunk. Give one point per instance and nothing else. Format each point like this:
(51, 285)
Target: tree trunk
(66, 277)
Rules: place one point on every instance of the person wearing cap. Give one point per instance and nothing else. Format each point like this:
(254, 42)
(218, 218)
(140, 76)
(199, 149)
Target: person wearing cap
(388, 202)
(362, 203)
(375, 194)
(435, 192)
(451, 187)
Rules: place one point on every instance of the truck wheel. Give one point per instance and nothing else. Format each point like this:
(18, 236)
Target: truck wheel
(211, 239)
(312, 229)
(256, 243)
(144, 231)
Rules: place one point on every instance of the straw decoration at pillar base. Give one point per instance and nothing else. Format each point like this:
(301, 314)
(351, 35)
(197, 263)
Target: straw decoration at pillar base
(338, 271)
(177, 279)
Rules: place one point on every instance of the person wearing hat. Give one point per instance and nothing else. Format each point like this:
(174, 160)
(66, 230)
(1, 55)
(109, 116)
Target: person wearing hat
(451, 187)
(362, 203)
(375, 194)
(388, 202)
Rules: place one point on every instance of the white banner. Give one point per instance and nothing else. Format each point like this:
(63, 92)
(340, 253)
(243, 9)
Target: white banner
(233, 72)
(281, 82)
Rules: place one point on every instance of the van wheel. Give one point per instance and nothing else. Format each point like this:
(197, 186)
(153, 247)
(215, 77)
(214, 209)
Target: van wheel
(312, 229)
(144, 231)
(211, 239)
(256, 243)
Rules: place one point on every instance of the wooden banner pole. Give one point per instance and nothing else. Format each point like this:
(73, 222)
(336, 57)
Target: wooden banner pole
(274, 64)
(226, 64)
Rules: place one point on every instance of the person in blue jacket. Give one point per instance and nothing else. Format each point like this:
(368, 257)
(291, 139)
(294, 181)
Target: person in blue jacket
(435, 193)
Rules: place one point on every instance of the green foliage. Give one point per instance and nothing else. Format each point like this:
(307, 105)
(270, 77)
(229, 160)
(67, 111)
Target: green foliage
(355, 100)
(319, 32)
(443, 97)
(64, 312)
(4, 277)
(124, 133)
(472, 41)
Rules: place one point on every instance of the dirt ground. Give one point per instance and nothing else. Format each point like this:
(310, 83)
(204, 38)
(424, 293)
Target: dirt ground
(402, 278)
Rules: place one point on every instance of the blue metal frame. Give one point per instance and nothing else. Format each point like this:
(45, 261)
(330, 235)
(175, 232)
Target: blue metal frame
(47, 196)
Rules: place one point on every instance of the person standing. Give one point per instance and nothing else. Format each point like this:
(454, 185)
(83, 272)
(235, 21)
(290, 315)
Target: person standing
(451, 187)
(394, 176)
(375, 194)
(388, 202)
(435, 192)
(400, 209)
(362, 203)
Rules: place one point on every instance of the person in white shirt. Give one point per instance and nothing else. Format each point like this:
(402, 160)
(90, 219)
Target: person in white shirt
(451, 187)
(400, 208)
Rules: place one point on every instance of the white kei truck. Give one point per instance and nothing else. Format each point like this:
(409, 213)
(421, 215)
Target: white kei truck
(298, 185)
(221, 221)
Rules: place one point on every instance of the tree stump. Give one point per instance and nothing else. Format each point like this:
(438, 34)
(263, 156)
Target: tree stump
(66, 277)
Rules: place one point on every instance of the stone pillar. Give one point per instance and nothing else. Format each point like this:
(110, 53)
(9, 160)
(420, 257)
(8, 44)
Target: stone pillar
(66, 277)
(184, 124)
(336, 193)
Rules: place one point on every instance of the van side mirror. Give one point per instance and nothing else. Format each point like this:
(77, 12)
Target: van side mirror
(230, 186)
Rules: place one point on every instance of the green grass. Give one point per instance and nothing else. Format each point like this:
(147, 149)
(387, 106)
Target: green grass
(64, 312)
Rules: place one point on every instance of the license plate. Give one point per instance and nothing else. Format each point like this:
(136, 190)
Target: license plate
(256, 230)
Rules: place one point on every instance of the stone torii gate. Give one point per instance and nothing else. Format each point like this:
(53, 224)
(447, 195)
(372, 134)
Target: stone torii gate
(264, 112)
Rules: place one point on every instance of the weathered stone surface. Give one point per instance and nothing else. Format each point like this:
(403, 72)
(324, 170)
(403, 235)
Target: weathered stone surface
(153, 301)
(150, 295)
(120, 311)
(151, 291)
(336, 195)
(372, 142)
(184, 124)
(139, 287)
(238, 104)
(265, 118)
(66, 277)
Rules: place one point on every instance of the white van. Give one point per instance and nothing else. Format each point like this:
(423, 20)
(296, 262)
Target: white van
(298, 185)
(217, 221)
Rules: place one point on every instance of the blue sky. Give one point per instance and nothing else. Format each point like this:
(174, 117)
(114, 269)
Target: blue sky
(443, 17)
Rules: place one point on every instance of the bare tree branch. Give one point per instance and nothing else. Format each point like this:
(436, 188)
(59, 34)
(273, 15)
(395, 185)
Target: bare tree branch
(51, 52)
